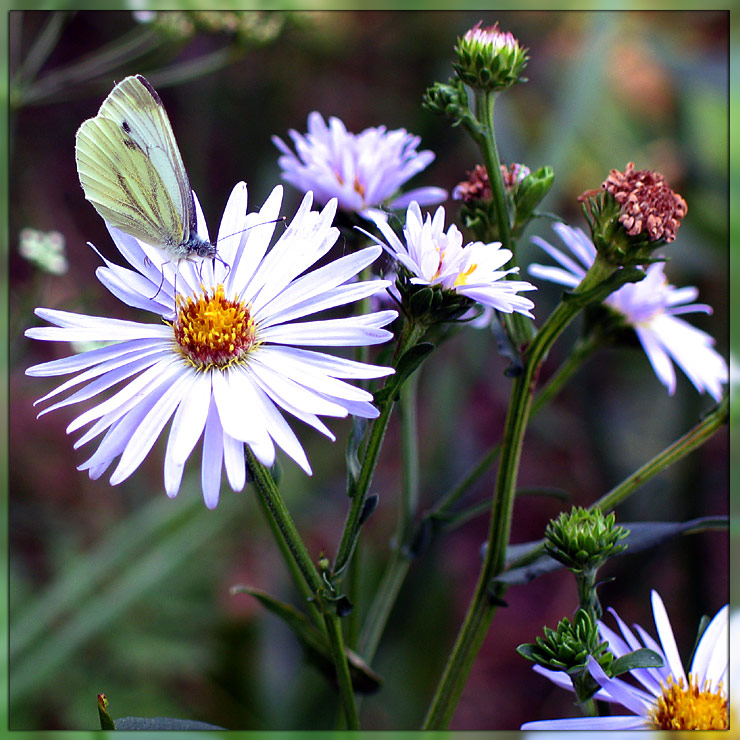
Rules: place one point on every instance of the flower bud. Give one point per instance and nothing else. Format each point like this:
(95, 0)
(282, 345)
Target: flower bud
(449, 99)
(567, 648)
(489, 59)
(583, 540)
(530, 190)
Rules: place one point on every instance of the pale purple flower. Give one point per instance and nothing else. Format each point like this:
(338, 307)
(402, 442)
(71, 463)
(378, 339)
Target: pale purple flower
(651, 307)
(491, 36)
(433, 256)
(362, 171)
(697, 698)
(231, 350)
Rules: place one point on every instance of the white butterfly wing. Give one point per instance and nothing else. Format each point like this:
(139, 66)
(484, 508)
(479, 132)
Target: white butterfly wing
(131, 169)
(119, 179)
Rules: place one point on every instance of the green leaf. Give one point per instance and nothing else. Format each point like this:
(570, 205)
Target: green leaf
(407, 364)
(605, 288)
(163, 723)
(642, 658)
(528, 650)
(315, 643)
(642, 536)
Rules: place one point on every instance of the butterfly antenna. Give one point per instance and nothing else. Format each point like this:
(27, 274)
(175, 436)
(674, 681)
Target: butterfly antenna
(279, 219)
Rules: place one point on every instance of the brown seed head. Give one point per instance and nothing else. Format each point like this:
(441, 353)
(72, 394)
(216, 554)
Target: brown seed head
(647, 203)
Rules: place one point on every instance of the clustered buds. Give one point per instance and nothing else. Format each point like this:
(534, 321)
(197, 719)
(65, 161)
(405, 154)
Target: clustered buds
(583, 539)
(647, 203)
(489, 59)
(523, 191)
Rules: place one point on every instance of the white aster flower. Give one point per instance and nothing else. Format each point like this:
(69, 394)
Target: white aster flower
(668, 699)
(231, 352)
(363, 171)
(651, 307)
(434, 256)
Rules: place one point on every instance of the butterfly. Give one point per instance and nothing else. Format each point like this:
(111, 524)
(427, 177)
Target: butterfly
(131, 170)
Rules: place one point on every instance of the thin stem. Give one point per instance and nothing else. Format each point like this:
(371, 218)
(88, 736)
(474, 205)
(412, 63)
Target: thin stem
(344, 680)
(685, 444)
(285, 527)
(581, 352)
(398, 565)
(358, 488)
(484, 104)
(518, 327)
(291, 564)
(485, 599)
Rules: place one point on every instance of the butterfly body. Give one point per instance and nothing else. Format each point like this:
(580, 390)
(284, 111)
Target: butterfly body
(131, 170)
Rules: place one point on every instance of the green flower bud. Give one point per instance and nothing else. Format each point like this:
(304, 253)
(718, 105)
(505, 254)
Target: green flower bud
(567, 648)
(583, 540)
(449, 99)
(489, 59)
(529, 193)
(431, 304)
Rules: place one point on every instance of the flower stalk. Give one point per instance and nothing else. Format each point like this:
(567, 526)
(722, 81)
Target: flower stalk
(486, 599)
(274, 505)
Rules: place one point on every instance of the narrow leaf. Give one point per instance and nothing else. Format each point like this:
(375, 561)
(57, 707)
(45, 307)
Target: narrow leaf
(163, 723)
(318, 652)
(642, 658)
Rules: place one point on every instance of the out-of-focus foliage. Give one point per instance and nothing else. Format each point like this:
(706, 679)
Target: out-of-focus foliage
(121, 591)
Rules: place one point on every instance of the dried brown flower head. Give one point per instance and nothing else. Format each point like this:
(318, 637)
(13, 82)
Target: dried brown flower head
(477, 186)
(647, 203)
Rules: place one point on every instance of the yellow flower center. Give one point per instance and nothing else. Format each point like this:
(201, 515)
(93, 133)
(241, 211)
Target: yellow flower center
(692, 708)
(213, 331)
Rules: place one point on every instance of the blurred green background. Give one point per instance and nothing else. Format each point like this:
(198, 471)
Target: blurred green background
(121, 591)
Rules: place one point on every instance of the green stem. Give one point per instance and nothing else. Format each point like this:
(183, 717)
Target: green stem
(581, 352)
(398, 565)
(685, 444)
(358, 488)
(293, 544)
(485, 600)
(344, 680)
(484, 104)
(518, 327)
(298, 579)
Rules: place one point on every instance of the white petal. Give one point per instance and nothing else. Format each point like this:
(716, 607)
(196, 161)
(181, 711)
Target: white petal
(349, 332)
(187, 427)
(260, 228)
(150, 428)
(140, 386)
(281, 432)
(667, 640)
(111, 377)
(620, 691)
(236, 470)
(238, 410)
(213, 455)
(711, 657)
